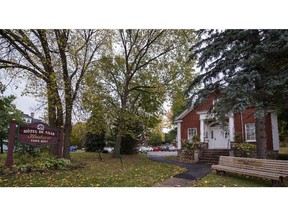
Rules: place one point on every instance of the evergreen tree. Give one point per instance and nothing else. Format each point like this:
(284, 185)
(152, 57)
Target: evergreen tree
(95, 142)
(246, 68)
(8, 112)
(129, 144)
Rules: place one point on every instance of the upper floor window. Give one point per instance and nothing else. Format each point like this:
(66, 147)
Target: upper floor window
(28, 120)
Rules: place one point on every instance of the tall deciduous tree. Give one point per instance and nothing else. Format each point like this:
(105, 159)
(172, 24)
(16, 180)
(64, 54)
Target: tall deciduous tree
(60, 59)
(246, 68)
(140, 71)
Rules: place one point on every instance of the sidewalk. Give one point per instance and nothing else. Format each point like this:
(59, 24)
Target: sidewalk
(194, 172)
(175, 182)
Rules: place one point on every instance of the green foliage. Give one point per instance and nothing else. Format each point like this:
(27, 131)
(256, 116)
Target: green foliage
(139, 71)
(24, 162)
(78, 137)
(283, 125)
(131, 138)
(155, 139)
(128, 145)
(8, 112)
(238, 137)
(179, 99)
(258, 78)
(58, 59)
(95, 142)
(244, 68)
(245, 150)
(190, 146)
(26, 149)
(170, 137)
(156, 136)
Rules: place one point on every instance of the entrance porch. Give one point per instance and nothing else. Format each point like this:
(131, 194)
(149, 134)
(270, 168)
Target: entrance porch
(217, 135)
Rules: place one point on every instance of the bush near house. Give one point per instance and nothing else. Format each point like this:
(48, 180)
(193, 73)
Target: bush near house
(190, 146)
(245, 150)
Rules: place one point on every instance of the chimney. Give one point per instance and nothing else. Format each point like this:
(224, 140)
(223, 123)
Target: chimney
(32, 115)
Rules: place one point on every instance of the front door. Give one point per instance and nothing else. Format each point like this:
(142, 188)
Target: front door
(218, 138)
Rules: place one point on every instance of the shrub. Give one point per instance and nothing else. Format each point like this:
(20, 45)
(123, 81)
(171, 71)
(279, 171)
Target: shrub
(189, 147)
(95, 142)
(245, 150)
(128, 145)
(27, 149)
(42, 162)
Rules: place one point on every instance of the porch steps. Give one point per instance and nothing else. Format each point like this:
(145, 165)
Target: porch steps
(211, 156)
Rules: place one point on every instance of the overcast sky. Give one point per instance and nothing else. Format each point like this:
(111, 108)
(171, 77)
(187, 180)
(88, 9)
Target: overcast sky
(26, 104)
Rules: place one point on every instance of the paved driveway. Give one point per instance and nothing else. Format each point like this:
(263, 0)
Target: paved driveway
(194, 171)
(162, 153)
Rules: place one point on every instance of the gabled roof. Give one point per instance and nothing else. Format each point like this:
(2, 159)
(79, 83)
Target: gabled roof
(26, 116)
(183, 114)
(33, 120)
(210, 98)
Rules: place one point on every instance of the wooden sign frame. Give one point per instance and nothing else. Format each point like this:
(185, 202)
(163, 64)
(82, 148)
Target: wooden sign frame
(36, 134)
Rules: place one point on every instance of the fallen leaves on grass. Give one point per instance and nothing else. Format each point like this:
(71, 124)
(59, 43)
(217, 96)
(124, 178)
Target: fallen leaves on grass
(136, 171)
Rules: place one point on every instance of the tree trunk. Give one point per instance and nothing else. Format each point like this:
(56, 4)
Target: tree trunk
(55, 111)
(62, 41)
(67, 130)
(116, 152)
(1, 145)
(261, 136)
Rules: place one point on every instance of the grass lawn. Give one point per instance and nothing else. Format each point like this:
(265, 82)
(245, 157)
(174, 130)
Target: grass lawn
(231, 180)
(283, 152)
(136, 171)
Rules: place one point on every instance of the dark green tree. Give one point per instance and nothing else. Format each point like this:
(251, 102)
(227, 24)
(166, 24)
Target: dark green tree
(246, 68)
(95, 142)
(171, 136)
(8, 112)
(129, 144)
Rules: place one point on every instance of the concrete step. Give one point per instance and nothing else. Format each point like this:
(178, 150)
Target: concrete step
(212, 155)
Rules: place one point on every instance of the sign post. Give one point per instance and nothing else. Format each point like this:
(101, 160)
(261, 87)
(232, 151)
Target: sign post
(12, 129)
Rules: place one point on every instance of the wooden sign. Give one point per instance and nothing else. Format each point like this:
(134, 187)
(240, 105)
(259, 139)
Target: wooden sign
(37, 134)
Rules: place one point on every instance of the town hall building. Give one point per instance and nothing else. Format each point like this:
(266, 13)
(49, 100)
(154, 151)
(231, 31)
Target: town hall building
(238, 127)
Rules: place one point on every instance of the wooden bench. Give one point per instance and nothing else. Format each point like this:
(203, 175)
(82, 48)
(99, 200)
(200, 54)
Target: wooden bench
(274, 170)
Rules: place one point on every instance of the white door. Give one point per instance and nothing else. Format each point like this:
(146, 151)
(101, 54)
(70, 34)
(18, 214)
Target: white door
(218, 138)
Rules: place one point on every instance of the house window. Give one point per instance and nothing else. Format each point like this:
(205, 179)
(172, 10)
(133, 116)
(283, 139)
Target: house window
(212, 134)
(206, 135)
(191, 132)
(250, 132)
(225, 134)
